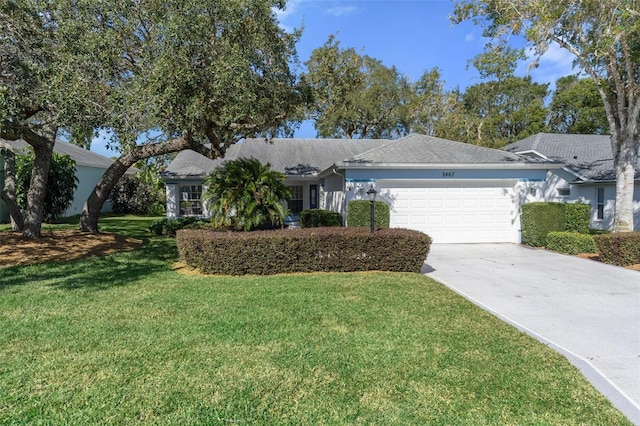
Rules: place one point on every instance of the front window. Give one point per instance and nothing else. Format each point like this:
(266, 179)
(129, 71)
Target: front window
(295, 204)
(600, 203)
(190, 200)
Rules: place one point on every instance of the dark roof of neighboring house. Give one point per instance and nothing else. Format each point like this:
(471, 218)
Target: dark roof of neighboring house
(426, 150)
(588, 156)
(81, 156)
(294, 157)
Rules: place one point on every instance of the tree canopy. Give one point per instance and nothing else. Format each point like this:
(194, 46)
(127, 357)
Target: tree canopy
(195, 72)
(603, 37)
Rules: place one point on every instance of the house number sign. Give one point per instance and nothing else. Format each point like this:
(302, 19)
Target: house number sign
(448, 174)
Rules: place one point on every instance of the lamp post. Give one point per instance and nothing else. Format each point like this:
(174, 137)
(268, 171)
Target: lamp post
(371, 194)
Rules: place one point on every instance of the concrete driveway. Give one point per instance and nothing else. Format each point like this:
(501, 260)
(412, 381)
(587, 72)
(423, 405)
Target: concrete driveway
(586, 310)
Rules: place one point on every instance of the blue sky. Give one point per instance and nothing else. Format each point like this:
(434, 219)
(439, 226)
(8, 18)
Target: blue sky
(412, 35)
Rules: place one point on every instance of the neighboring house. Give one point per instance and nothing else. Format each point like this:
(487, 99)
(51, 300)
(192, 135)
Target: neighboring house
(587, 174)
(455, 192)
(89, 169)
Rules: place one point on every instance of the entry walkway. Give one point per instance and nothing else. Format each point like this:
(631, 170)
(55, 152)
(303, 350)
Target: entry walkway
(586, 310)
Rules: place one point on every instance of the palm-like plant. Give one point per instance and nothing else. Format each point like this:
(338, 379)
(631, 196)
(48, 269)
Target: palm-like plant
(245, 194)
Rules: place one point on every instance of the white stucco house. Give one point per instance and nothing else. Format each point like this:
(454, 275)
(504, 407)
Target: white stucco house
(587, 174)
(89, 169)
(455, 192)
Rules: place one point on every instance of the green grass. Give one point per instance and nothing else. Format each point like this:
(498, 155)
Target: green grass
(125, 340)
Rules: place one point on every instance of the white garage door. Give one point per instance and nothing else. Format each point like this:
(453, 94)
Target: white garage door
(454, 212)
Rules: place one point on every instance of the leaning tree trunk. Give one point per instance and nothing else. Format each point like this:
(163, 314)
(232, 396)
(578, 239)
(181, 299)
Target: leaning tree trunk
(8, 195)
(92, 207)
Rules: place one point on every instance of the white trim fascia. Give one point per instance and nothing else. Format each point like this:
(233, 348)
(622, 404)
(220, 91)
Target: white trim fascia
(578, 175)
(457, 166)
(532, 151)
(544, 157)
(598, 182)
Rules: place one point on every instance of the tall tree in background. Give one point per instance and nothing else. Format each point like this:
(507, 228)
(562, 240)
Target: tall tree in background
(506, 110)
(603, 36)
(355, 96)
(504, 107)
(429, 103)
(576, 107)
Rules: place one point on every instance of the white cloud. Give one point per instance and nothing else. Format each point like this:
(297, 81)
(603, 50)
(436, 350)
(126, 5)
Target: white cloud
(469, 37)
(290, 8)
(556, 62)
(338, 11)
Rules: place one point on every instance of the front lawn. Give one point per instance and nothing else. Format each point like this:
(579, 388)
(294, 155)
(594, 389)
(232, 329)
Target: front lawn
(124, 339)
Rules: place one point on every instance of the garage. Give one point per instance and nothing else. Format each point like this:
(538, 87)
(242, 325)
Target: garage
(454, 211)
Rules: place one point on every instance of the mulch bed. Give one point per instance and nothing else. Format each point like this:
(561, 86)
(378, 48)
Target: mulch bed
(60, 246)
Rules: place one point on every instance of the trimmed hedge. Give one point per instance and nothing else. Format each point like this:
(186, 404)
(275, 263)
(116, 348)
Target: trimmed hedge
(538, 219)
(622, 248)
(303, 250)
(359, 214)
(315, 218)
(570, 243)
(577, 217)
(169, 225)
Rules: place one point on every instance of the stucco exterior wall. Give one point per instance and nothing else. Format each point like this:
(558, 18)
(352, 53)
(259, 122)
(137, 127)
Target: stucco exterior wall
(88, 177)
(173, 206)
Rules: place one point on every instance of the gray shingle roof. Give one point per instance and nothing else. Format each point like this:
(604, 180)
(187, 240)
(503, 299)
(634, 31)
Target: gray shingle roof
(81, 156)
(294, 157)
(424, 150)
(589, 156)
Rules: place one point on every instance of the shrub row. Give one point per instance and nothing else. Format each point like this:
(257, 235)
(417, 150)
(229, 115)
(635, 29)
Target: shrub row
(620, 249)
(570, 243)
(303, 250)
(315, 218)
(538, 219)
(359, 214)
(169, 225)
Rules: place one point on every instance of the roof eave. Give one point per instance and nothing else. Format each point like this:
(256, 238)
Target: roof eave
(432, 166)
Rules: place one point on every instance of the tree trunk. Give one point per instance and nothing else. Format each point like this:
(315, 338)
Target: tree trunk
(93, 205)
(625, 174)
(9, 193)
(43, 152)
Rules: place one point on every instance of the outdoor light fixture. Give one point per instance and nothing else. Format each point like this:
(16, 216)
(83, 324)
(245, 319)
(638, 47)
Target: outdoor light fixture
(371, 193)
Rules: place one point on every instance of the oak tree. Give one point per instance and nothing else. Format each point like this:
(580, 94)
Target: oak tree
(576, 107)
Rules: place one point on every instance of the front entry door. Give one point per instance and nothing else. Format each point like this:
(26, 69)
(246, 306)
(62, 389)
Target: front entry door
(313, 196)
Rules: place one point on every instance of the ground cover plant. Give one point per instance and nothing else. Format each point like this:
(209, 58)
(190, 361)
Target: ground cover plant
(124, 339)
